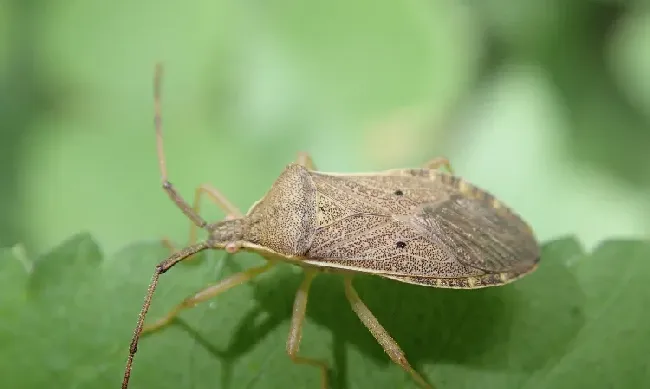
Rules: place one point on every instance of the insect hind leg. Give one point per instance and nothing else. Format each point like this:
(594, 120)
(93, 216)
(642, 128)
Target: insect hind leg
(295, 332)
(380, 334)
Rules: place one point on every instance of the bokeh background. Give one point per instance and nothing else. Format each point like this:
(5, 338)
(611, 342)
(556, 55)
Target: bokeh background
(545, 104)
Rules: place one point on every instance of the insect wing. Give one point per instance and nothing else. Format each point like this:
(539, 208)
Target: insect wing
(410, 224)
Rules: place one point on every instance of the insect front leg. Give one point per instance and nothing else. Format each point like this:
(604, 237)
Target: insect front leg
(231, 211)
(379, 332)
(206, 294)
(295, 333)
(437, 163)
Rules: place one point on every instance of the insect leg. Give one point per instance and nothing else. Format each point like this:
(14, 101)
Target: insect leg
(304, 159)
(161, 268)
(206, 294)
(295, 333)
(232, 212)
(437, 163)
(379, 332)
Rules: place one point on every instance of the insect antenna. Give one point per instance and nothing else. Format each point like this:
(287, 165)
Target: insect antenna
(161, 268)
(167, 186)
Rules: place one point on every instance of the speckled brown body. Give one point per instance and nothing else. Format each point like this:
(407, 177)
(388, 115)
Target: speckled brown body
(419, 226)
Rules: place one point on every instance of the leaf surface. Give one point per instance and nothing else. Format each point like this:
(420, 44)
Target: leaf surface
(579, 321)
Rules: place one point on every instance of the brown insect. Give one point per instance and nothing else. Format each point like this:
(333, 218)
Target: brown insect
(419, 226)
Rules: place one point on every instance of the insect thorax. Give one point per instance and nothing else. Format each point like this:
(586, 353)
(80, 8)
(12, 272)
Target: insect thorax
(285, 219)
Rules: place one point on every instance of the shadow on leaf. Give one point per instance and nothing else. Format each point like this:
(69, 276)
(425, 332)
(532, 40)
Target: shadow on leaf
(517, 327)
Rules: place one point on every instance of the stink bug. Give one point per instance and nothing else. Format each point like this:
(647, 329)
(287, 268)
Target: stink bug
(419, 226)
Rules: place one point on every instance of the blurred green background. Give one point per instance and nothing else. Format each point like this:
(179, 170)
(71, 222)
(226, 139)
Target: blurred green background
(546, 105)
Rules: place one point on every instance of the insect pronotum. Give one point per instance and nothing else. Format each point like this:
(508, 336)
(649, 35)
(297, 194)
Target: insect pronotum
(419, 226)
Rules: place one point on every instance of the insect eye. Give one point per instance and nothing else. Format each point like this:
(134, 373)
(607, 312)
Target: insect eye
(399, 192)
(400, 245)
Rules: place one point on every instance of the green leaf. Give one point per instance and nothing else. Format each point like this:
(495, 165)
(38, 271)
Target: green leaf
(66, 319)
